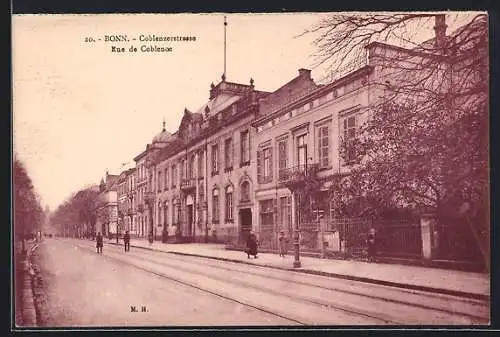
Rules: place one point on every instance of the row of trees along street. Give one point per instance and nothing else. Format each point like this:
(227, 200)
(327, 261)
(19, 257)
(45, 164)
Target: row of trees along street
(424, 148)
(77, 215)
(29, 217)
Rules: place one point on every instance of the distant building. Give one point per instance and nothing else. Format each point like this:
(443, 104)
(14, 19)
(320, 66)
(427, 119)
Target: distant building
(107, 212)
(126, 201)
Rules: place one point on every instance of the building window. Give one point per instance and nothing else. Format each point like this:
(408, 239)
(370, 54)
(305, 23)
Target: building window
(159, 181)
(228, 153)
(174, 175)
(191, 167)
(200, 164)
(245, 191)
(201, 193)
(282, 157)
(174, 212)
(267, 155)
(215, 205)
(159, 215)
(229, 203)
(165, 182)
(165, 214)
(286, 213)
(245, 148)
(349, 136)
(182, 169)
(267, 215)
(301, 152)
(215, 159)
(324, 146)
(265, 165)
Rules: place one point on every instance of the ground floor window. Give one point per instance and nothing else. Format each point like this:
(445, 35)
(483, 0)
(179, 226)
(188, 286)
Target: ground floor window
(286, 213)
(266, 215)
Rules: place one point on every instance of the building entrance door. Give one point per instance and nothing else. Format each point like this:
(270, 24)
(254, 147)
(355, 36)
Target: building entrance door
(190, 220)
(245, 224)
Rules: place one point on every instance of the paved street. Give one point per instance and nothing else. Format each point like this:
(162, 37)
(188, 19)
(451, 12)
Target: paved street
(82, 288)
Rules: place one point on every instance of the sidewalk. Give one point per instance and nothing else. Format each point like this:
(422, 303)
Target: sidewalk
(460, 283)
(26, 315)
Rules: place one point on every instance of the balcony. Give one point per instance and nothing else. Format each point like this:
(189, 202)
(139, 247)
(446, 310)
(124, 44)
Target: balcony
(188, 185)
(295, 177)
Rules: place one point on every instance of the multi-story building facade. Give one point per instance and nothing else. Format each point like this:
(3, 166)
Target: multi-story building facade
(298, 134)
(130, 215)
(107, 211)
(202, 178)
(126, 201)
(235, 163)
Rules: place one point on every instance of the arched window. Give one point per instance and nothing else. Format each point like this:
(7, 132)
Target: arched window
(215, 205)
(229, 203)
(245, 191)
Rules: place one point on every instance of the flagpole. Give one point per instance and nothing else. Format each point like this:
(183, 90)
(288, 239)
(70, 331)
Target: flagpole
(225, 24)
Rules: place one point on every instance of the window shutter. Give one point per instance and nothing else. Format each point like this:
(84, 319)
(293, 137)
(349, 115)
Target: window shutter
(271, 150)
(219, 158)
(232, 155)
(249, 150)
(259, 166)
(320, 147)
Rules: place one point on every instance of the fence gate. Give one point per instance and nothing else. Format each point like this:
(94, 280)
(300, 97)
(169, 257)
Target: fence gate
(399, 237)
(352, 233)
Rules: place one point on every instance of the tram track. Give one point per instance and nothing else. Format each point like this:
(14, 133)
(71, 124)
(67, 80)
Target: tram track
(267, 292)
(378, 316)
(398, 291)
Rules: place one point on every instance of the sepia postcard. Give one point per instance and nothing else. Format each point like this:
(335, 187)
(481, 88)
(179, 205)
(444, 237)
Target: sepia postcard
(231, 170)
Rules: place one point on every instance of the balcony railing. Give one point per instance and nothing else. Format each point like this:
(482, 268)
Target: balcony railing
(188, 184)
(297, 175)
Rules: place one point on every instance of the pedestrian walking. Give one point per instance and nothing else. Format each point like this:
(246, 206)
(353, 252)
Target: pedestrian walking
(99, 243)
(126, 241)
(371, 241)
(283, 242)
(252, 245)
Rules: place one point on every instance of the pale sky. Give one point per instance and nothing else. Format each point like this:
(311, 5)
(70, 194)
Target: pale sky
(80, 109)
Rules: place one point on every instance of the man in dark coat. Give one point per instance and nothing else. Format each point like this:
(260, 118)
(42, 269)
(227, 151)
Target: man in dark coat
(252, 245)
(126, 241)
(99, 242)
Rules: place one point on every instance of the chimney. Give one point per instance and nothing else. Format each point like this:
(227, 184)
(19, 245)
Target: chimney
(440, 31)
(305, 73)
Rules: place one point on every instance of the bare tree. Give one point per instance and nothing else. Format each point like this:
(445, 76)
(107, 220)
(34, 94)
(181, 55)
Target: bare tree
(424, 145)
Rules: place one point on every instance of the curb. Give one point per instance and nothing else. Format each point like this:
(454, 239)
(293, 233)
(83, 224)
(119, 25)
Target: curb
(458, 293)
